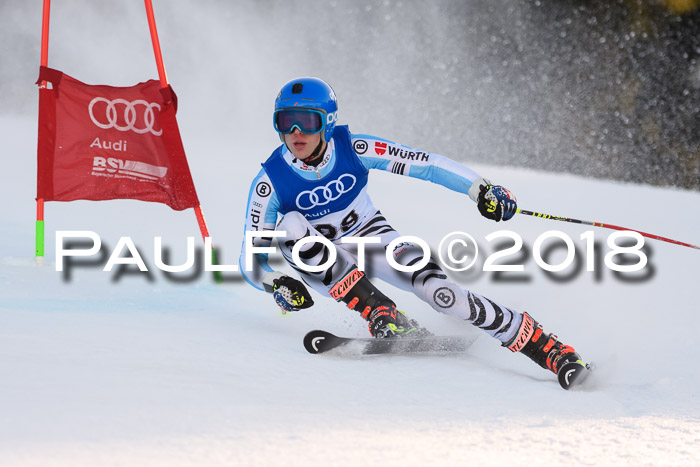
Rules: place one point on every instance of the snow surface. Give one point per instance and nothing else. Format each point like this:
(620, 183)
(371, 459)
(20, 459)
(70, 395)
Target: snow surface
(102, 368)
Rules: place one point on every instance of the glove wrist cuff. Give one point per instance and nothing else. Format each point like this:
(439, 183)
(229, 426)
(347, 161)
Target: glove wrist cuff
(269, 279)
(475, 189)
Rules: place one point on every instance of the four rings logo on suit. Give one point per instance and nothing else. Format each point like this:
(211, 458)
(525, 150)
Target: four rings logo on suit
(323, 195)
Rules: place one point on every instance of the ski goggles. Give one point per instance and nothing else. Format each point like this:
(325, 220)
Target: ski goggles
(308, 121)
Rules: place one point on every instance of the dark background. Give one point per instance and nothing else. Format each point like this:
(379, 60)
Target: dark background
(606, 89)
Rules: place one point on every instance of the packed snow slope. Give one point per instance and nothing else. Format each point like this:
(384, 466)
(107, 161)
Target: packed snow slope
(131, 368)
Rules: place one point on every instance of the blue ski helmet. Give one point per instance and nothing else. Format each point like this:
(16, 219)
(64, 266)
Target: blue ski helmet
(312, 96)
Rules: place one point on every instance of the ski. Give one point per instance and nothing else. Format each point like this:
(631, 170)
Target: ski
(318, 341)
(572, 374)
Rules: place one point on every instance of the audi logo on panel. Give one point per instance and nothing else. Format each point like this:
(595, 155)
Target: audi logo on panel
(323, 195)
(110, 119)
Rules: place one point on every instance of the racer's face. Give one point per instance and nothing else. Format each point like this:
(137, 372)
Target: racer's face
(300, 144)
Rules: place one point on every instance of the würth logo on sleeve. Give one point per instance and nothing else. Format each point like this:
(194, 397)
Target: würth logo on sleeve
(379, 148)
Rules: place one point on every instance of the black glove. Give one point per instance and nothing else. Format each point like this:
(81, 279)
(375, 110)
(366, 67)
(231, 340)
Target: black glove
(289, 293)
(496, 203)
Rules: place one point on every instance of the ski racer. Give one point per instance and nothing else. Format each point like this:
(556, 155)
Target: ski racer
(315, 184)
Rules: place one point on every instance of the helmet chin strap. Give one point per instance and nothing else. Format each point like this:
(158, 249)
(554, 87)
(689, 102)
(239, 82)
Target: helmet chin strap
(314, 153)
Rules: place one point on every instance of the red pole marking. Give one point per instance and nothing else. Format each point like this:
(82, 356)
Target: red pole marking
(655, 237)
(156, 44)
(40, 209)
(45, 33)
(608, 226)
(44, 62)
(200, 220)
(164, 83)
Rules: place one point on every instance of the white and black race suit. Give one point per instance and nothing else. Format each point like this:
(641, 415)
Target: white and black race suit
(331, 200)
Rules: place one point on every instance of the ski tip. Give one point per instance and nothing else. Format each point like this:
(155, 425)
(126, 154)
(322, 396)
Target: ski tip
(314, 341)
(573, 374)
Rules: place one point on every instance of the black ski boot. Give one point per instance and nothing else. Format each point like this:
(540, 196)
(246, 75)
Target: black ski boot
(356, 290)
(544, 349)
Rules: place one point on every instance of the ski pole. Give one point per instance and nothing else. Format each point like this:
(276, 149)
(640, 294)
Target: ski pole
(607, 226)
